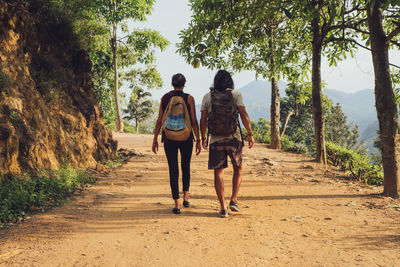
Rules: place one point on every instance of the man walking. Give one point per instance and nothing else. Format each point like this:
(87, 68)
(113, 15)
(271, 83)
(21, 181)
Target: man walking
(219, 113)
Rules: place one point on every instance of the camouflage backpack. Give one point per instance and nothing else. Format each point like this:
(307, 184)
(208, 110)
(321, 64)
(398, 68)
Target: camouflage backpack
(223, 119)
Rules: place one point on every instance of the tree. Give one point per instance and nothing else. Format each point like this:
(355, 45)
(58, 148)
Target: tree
(326, 32)
(244, 35)
(339, 131)
(298, 101)
(131, 48)
(383, 19)
(139, 108)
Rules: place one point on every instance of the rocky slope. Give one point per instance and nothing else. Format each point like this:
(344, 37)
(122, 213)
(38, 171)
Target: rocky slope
(49, 114)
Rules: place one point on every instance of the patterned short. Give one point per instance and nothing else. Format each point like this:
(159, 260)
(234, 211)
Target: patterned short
(219, 151)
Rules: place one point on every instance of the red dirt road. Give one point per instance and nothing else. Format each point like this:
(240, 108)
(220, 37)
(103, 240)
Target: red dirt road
(293, 213)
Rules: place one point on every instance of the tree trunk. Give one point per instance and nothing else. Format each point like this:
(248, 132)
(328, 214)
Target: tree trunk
(137, 126)
(385, 103)
(120, 125)
(275, 115)
(318, 116)
(275, 136)
(285, 123)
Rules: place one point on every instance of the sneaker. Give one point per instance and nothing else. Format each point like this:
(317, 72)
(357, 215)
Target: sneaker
(223, 213)
(176, 211)
(186, 204)
(233, 206)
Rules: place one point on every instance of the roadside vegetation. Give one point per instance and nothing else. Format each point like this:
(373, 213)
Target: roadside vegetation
(25, 194)
(342, 146)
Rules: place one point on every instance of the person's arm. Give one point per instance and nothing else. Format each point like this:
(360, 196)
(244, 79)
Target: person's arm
(195, 125)
(203, 128)
(246, 123)
(154, 147)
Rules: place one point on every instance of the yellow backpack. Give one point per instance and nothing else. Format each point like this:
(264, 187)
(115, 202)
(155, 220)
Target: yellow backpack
(176, 123)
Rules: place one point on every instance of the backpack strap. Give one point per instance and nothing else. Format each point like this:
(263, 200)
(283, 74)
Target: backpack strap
(240, 128)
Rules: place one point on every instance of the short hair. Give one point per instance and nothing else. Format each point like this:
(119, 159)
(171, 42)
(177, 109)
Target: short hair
(178, 80)
(222, 81)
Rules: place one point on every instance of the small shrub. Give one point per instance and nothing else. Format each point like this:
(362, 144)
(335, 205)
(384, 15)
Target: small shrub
(128, 128)
(291, 146)
(358, 166)
(50, 76)
(4, 82)
(19, 194)
(113, 164)
(261, 131)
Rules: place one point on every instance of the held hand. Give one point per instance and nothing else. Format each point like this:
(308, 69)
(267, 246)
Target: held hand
(154, 148)
(205, 143)
(198, 148)
(251, 141)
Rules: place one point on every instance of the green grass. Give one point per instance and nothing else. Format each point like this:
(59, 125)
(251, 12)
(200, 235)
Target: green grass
(21, 194)
(113, 163)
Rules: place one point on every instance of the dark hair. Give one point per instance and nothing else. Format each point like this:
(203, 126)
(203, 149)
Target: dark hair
(178, 80)
(222, 81)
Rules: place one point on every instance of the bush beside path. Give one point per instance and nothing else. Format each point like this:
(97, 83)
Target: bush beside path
(294, 212)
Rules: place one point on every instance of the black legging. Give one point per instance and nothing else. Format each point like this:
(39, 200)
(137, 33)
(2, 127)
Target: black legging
(171, 151)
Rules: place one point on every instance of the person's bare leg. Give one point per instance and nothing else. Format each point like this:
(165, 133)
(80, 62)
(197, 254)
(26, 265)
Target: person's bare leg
(219, 187)
(177, 205)
(186, 195)
(236, 181)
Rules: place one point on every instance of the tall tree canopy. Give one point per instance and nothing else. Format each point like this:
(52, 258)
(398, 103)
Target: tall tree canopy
(129, 48)
(245, 35)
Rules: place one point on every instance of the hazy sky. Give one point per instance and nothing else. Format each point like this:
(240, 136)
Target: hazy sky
(169, 17)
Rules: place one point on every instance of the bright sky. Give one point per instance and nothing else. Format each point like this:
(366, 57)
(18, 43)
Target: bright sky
(169, 17)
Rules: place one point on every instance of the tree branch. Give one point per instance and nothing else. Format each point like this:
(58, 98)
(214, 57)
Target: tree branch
(395, 43)
(393, 33)
(333, 39)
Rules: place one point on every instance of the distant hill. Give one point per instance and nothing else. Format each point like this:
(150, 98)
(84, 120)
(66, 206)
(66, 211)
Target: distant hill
(257, 98)
(359, 107)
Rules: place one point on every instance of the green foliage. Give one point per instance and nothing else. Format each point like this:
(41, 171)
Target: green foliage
(244, 35)
(132, 51)
(299, 129)
(20, 194)
(357, 165)
(338, 130)
(140, 107)
(291, 146)
(14, 116)
(92, 23)
(4, 82)
(49, 76)
(129, 128)
(261, 130)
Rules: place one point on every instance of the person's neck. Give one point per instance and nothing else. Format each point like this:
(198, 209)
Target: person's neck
(178, 89)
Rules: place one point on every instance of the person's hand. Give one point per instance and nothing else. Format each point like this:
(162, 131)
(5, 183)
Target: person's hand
(198, 147)
(204, 143)
(251, 141)
(154, 147)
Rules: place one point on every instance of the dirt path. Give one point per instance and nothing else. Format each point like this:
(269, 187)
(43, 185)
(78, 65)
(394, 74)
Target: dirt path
(293, 213)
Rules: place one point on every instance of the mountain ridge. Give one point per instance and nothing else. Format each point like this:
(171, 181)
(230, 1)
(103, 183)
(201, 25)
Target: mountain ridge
(359, 107)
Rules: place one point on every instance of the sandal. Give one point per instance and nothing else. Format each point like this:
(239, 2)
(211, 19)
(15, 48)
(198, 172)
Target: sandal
(186, 204)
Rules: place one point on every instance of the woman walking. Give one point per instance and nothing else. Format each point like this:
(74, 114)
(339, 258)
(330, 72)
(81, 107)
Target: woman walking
(171, 146)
